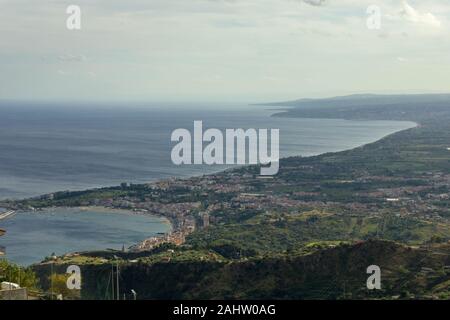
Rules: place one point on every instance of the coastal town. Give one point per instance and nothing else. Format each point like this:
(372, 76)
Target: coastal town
(198, 202)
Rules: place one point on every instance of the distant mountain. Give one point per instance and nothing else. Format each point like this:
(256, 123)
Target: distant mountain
(415, 107)
(363, 99)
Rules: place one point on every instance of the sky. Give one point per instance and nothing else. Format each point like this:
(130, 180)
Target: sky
(221, 50)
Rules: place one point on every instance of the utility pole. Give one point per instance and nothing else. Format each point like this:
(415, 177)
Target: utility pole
(117, 269)
(10, 283)
(345, 291)
(112, 281)
(51, 280)
(53, 259)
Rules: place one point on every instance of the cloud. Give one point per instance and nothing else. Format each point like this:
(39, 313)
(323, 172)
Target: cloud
(413, 15)
(316, 3)
(72, 58)
(258, 48)
(62, 72)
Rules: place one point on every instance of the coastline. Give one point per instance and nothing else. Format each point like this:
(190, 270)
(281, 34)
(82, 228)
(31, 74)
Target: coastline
(76, 230)
(300, 136)
(416, 125)
(173, 222)
(237, 167)
(143, 243)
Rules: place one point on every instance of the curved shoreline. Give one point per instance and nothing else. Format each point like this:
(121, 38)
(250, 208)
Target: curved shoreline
(171, 223)
(70, 229)
(292, 148)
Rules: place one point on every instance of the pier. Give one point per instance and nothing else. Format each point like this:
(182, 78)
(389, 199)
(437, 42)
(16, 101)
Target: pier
(6, 214)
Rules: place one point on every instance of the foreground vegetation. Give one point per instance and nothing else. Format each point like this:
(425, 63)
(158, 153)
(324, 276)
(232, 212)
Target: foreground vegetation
(11, 272)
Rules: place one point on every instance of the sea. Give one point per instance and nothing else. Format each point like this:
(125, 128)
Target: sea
(48, 147)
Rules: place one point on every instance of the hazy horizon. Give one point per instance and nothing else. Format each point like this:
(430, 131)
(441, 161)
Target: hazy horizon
(202, 103)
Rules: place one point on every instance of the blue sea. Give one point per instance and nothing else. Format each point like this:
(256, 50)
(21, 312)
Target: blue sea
(71, 147)
(32, 236)
(51, 147)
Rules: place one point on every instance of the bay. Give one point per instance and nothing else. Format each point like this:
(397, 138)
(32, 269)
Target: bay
(53, 147)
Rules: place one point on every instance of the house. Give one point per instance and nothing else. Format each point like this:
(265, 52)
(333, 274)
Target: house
(12, 291)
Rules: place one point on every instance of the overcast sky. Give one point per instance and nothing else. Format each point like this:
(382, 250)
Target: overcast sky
(221, 50)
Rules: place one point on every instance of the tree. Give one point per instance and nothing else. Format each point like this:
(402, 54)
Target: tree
(59, 286)
(10, 272)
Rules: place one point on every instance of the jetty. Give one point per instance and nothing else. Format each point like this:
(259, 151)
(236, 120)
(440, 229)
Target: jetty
(6, 214)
